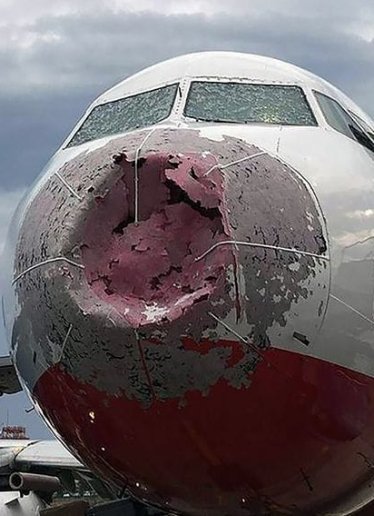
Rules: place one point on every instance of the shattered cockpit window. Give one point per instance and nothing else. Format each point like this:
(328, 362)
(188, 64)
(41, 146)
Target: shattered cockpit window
(249, 103)
(126, 114)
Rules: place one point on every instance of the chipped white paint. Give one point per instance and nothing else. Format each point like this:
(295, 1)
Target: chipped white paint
(154, 312)
(326, 160)
(183, 299)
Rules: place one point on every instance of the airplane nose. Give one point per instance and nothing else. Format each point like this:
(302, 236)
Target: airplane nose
(164, 236)
(152, 275)
(141, 240)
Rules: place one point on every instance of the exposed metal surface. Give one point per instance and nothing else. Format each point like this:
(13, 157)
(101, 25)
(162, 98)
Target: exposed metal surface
(163, 300)
(68, 186)
(136, 175)
(236, 243)
(46, 262)
(209, 303)
(346, 305)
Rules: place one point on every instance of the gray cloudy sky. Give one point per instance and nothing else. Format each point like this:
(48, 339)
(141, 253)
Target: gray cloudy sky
(55, 57)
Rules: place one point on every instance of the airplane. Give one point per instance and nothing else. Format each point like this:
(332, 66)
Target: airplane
(36, 466)
(188, 290)
(33, 471)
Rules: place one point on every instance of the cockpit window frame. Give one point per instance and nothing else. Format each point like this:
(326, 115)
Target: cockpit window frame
(368, 144)
(78, 127)
(368, 128)
(228, 80)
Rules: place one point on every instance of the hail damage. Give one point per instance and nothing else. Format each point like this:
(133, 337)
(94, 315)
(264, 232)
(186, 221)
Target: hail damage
(147, 270)
(135, 321)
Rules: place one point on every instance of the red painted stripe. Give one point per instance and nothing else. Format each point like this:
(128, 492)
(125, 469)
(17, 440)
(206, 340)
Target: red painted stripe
(301, 434)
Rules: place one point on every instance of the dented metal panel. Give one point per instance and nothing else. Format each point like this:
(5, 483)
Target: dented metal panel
(144, 291)
(193, 304)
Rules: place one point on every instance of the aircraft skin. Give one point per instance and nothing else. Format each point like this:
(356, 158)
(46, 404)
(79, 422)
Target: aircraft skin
(190, 302)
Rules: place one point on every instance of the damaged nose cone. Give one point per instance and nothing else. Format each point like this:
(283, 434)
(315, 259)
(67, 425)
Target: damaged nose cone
(142, 238)
(152, 276)
(164, 263)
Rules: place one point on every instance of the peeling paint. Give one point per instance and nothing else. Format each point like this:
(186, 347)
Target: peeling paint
(142, 299)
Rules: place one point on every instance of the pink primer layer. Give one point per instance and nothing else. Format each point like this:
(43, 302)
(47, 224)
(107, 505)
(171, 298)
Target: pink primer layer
(148, 270)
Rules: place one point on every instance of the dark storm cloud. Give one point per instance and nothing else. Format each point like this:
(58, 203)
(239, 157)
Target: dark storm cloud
(77, 51)
(46, 86)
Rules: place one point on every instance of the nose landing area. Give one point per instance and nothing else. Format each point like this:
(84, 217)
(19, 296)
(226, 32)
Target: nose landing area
(140, 246)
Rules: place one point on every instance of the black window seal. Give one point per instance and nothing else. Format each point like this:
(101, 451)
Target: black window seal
(361, 123)
(350, 114)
